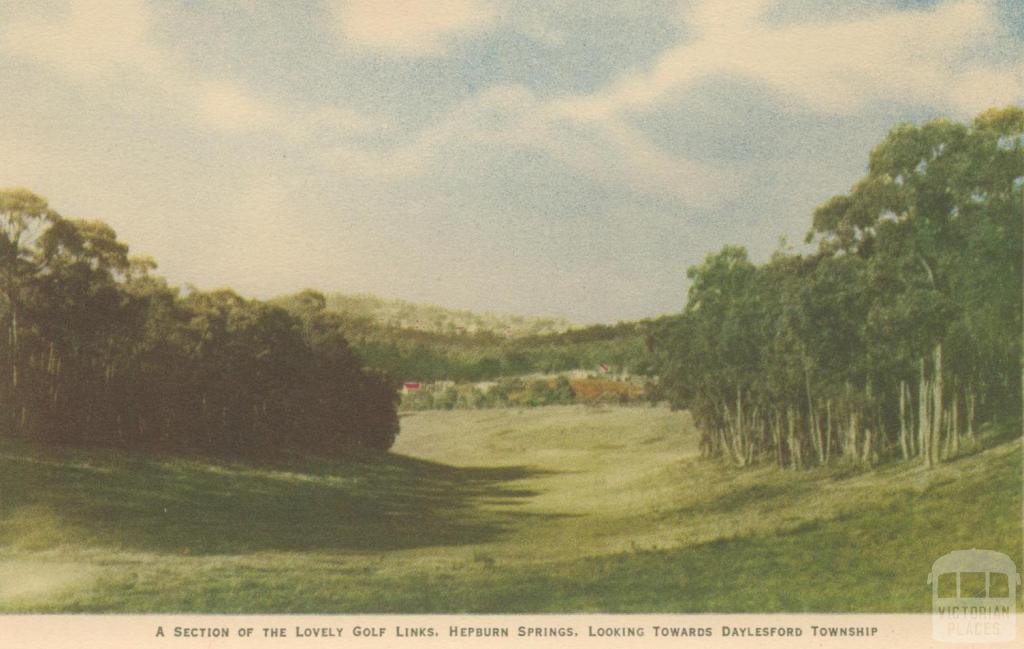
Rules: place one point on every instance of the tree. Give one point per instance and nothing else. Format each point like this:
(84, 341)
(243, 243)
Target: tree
(102, 352)
(898, 336)
(24, 219)
(939, 210)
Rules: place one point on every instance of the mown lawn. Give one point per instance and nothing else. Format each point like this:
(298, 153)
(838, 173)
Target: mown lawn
(550, 510)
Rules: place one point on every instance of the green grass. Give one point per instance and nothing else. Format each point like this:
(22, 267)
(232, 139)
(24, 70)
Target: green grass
(557, 509)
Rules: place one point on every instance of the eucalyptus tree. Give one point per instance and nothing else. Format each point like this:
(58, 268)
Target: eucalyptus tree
(24, 219)
(938, 217)
(100, 351)
(897, 337)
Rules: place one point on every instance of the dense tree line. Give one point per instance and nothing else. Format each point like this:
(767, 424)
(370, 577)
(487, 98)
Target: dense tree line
(484, 355)
(530, 392)
(100, 351)
(507, 392)
(899, 336)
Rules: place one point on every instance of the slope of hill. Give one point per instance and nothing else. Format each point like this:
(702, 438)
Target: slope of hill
(553, 509)
(418, 343)
(399, 314)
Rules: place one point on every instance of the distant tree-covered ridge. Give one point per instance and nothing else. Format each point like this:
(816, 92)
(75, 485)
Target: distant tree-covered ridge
(100, 351)
(401, 339)
(400, 314)
(900, 336)
(529, 391)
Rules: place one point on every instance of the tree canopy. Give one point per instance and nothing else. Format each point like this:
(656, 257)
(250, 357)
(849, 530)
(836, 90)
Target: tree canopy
(100, 351)
(899, 335)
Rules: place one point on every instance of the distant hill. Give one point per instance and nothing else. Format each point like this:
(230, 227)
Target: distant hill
(399, 314)
(420, 342)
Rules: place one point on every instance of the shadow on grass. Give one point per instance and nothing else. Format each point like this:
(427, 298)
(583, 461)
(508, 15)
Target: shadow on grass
(761, 496)
(370, 503)
(872, 557)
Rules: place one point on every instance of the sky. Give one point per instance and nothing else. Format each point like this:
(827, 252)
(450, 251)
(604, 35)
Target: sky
(566, 159)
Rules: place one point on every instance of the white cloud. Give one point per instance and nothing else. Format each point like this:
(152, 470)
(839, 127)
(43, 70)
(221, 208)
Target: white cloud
(833, 66)
(507, 118)
(92, 39)
(836, 67)
(227, 106)
(104, 44)
(976, 89)
(408, 27)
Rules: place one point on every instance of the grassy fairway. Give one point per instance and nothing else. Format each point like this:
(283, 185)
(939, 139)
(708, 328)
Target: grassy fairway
(553, 509)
